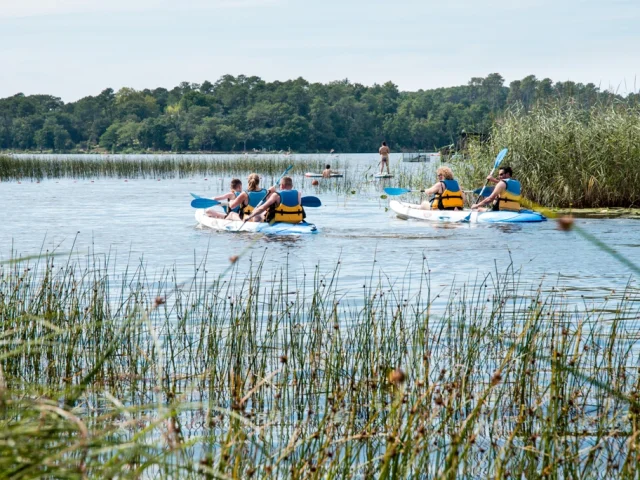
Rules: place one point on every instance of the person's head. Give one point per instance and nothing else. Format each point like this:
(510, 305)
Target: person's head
(505, 172)
(286, 183)
(236, 184)
(384, 144)
(444, 173)
(327, 167)
(254, 182)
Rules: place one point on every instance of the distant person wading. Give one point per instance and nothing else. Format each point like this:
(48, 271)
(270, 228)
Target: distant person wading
(384, 157)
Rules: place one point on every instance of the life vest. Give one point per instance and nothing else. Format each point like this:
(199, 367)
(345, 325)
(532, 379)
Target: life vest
(237, 209)
(510, 198)
(255, 197)
(450, 199)
(289, 210)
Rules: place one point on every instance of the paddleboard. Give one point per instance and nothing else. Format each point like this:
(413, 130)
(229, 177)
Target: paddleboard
(319, 175)
(383, 175)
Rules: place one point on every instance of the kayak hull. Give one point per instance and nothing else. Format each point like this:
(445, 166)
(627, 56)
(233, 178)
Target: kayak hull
(279, 228)
(383, 175)
(411, 210)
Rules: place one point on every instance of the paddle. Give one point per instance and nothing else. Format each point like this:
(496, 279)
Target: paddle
(487, 191)
(263, 198)
(204, 202)
(397, 191)
(308, 201)
(496, 164)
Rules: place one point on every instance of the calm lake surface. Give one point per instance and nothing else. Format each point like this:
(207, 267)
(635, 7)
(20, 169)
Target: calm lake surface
(151, 221)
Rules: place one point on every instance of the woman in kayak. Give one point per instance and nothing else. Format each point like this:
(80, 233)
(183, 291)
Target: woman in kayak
(506, 194)
(246, 201)
(236, 191)
(447, 194)
(284, 206)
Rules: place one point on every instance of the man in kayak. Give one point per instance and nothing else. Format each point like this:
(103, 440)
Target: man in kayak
(284, 206)
(326, 173)
(447, 194)
(506, 194)
(384, 157)
(245, 202)
(236, 191)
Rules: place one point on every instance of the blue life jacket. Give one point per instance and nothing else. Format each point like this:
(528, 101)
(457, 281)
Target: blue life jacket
(255, 197)
(237, 209)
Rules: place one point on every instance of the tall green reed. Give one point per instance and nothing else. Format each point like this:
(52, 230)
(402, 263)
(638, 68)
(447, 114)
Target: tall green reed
(278, 374)
(564, 155)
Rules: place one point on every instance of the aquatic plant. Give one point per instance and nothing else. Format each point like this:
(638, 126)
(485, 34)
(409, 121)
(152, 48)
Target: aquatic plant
(564, 155)
(288, 375)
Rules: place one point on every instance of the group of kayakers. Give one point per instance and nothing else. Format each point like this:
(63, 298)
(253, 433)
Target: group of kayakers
(447, 194)
(259, 204)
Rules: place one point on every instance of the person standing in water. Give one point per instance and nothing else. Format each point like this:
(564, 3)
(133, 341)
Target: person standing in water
(384, 157)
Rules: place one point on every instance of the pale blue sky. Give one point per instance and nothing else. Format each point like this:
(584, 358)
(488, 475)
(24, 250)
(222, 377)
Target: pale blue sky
(74, 48)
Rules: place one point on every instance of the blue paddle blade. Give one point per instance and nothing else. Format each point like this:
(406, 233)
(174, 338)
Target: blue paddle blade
(311, 201)
(203, 203)
(396, 191)
(487, 191)
(195, 196)
(500, 157)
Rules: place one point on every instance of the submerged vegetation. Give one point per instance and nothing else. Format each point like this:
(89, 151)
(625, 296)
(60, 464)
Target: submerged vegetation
(281, 375)
(566, 156)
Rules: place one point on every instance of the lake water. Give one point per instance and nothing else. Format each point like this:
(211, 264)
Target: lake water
(134, 220)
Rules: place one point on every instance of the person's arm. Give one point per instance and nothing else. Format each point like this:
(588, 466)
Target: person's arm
(437, 188)
(496, 193)
(239, 200)
(226, 196)
(492, 179)
(270, 201)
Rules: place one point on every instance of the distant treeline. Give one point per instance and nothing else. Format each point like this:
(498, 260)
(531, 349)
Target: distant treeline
(246, 113)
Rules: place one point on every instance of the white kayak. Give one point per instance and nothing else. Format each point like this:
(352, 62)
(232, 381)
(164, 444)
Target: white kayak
(319, 175)
(411, 210)
(279, 228)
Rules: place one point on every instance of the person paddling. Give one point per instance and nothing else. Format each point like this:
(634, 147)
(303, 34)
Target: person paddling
(246, 201)
(236, 191)
(447, 194)
(384, 157)
(506, 194)
(326, 173)
(284, 206)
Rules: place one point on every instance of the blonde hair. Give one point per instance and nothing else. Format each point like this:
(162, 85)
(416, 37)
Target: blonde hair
(446, 172)
(287, 181)
(254, 182)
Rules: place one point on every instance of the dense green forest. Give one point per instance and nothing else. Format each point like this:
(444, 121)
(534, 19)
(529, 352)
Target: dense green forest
(246, 113)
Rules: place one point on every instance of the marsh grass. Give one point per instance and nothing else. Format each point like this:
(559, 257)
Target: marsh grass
(141, 166)
(565, 156)
(284, 375)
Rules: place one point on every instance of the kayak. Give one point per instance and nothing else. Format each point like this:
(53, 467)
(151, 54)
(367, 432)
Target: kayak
(383, 175)
(319, 175)
(411, 210)
(279, 228)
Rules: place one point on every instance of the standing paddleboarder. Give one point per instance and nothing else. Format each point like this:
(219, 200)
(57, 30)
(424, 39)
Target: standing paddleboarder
(384, 157)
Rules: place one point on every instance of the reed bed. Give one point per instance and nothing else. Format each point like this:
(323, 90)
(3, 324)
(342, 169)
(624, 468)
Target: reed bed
(566, 156)
(255, 375)
(138, 166)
